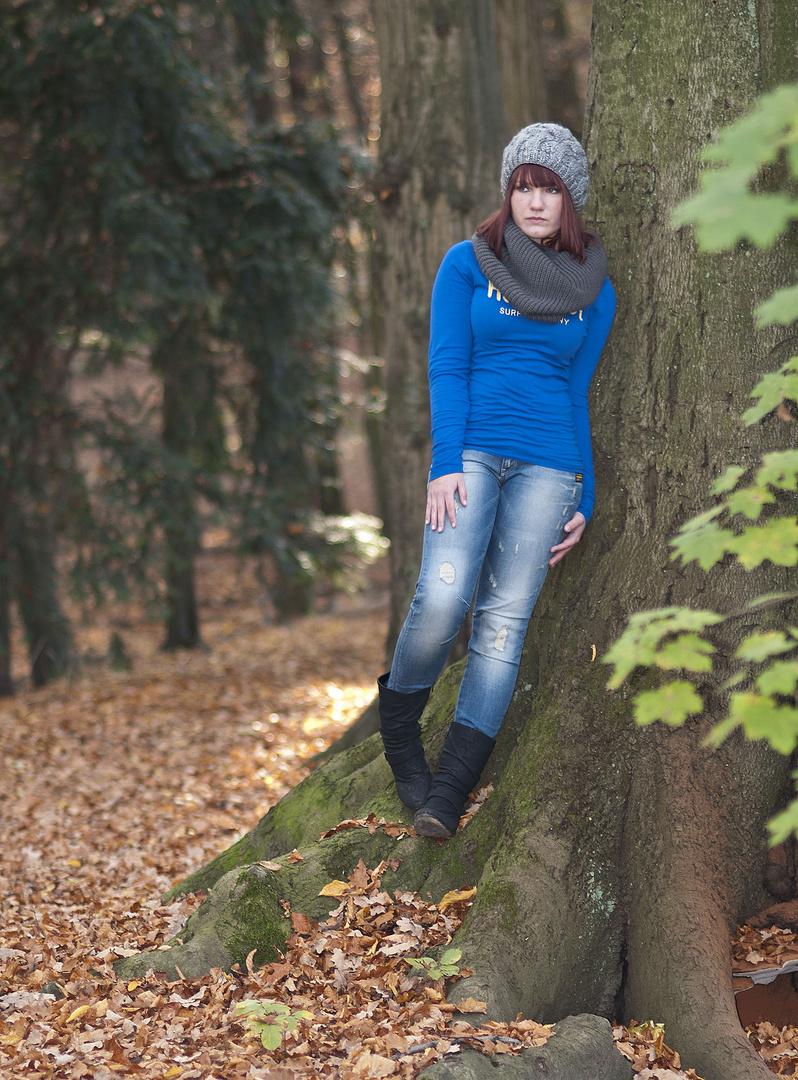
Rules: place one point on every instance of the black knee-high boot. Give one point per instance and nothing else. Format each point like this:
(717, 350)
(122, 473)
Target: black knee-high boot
(401, 738)
(464, 756)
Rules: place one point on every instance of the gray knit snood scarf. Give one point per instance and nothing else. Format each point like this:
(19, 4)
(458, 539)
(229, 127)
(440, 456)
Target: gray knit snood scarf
(542, 283)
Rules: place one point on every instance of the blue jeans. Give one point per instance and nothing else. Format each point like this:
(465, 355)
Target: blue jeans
(515, 514)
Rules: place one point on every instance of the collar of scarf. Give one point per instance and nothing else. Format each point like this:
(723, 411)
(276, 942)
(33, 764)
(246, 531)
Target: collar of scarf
(538, 281)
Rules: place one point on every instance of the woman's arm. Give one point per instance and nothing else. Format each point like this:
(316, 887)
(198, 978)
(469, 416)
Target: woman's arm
(583, 365)
(450, 359)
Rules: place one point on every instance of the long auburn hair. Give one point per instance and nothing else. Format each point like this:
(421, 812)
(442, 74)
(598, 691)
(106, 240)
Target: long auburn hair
(572, 237)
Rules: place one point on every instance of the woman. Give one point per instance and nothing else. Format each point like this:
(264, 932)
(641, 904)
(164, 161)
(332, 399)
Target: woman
(520, 315)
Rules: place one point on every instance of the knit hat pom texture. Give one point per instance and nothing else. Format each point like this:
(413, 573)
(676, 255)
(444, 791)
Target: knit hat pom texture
(554, 147)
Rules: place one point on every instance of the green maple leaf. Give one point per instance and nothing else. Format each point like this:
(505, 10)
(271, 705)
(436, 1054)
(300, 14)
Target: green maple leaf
(775, 540)
(780, 678)
(729, 478)
(707, 544)
(761, 718)
(778, 308)
(780, 470)
(687, 652)
(671, 703)
(639, 642)
(749, 501)
(785, 824)
(760, 646)
(772, 389)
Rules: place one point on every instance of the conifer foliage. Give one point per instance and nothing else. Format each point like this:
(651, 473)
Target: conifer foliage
(147, 207)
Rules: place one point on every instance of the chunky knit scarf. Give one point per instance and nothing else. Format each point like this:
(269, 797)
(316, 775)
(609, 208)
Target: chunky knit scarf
(540, 282)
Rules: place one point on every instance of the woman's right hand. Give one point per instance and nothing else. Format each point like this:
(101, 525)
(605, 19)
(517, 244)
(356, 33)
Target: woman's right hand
(440, 499)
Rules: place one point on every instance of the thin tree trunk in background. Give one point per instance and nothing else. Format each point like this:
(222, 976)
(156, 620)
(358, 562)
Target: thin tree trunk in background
(181, 364)
(522, 63)
(359, 117)
(6, 682)
(46, 627)
(442, 133)
(307, 75)
(251, 25)
(566, 105)
(535, 64)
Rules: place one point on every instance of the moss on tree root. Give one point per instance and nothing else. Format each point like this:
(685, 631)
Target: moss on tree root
(351, 784)
(242, 912)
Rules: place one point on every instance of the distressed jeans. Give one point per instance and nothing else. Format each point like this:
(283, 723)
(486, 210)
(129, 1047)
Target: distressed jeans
(500, 546)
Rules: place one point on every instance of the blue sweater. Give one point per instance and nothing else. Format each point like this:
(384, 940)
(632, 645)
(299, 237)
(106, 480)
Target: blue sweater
(508, 385)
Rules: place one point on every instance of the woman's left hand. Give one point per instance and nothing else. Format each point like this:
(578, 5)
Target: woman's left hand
(574, 529)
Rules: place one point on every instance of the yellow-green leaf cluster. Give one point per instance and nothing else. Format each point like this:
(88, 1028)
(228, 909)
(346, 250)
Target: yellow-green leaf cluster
(752, 523)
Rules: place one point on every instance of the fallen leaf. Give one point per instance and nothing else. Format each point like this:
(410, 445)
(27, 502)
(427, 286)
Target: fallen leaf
(469, 1005)
(456, 896)
(80, 1011)
(334, 888)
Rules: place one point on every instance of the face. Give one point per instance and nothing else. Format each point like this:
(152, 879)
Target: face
(537, 211)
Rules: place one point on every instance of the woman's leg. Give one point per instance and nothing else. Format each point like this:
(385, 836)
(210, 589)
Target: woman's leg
(450, 566)
(534, 505)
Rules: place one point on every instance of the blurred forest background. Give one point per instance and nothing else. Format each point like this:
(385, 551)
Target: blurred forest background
(194, 264)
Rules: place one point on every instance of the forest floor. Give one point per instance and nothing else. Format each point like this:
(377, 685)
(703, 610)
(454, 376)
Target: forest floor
(116, 784)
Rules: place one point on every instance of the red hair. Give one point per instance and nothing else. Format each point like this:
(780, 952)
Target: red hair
(572, 237)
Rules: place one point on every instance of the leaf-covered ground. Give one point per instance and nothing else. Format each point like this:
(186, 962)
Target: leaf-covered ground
(118, 783)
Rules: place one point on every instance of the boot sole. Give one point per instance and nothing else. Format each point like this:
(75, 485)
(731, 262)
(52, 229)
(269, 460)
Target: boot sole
(428, 825)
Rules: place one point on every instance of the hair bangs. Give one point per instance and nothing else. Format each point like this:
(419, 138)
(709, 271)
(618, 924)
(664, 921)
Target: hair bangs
(535, 176)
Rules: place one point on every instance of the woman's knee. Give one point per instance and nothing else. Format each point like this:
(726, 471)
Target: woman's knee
(443, 606)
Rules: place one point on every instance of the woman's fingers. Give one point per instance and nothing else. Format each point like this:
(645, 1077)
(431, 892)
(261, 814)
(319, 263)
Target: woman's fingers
(441, 499)
(573, 534)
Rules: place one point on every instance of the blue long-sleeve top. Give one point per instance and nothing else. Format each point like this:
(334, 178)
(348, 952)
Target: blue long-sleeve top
(506, 384)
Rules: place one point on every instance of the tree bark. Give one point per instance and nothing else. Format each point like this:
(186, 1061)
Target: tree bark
(670, 391)
(522, 64)
(46, 627)
(193, 438)
(437, 178)
(612, 863)
(6, 682)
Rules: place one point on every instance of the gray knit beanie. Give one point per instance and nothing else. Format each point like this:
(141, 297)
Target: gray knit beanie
(554, 147)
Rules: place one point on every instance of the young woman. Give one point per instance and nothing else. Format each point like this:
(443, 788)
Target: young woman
(520, 314)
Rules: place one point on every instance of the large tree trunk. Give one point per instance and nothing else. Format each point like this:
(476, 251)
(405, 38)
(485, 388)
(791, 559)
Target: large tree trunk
(674, 382)
(611, 862)
(442, 133)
